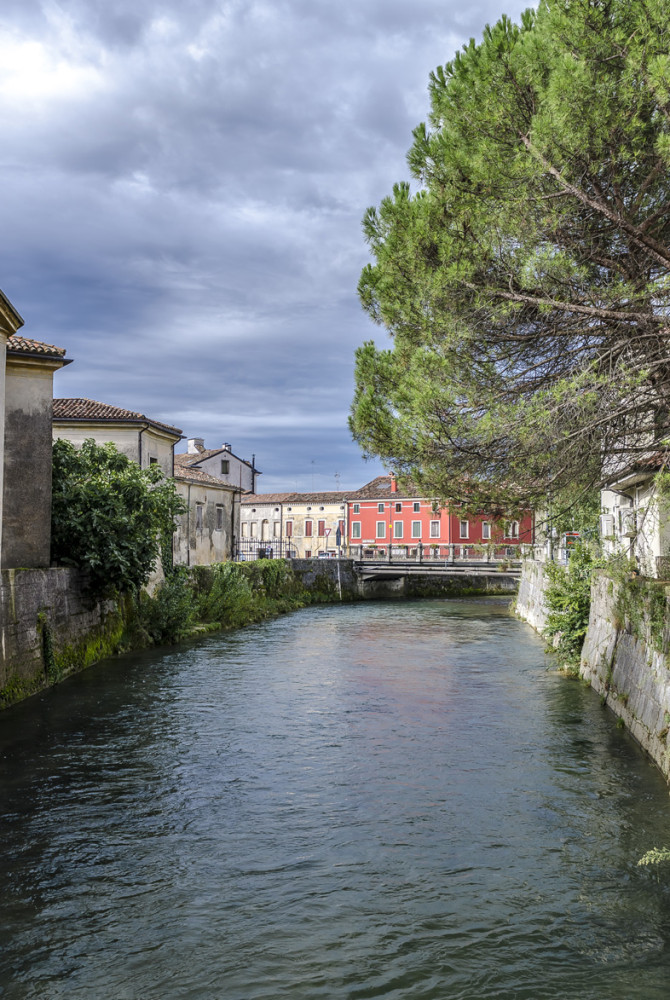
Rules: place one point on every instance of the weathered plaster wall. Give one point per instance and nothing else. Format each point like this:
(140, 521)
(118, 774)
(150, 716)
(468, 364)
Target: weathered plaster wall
(48, 629)
(130, 440)
(201, 544)
(631, 675)
(26, 517)
(530, 600)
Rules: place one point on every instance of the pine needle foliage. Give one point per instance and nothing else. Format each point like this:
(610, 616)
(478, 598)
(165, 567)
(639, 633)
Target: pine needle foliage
(524, 275)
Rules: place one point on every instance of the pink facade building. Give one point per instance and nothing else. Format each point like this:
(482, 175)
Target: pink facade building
(381, 513)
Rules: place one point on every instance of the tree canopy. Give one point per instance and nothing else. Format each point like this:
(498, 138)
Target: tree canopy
(110, 518)
(524, 277)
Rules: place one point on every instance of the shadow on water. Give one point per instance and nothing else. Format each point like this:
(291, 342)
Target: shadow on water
(394, 800)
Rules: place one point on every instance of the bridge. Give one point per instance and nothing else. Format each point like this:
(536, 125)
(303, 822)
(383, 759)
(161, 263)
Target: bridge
(415, 577)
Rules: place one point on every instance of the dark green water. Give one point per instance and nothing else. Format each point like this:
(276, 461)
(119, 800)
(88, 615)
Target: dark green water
(380, 800)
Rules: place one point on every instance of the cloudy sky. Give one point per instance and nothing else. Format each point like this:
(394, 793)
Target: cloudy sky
(182, 188)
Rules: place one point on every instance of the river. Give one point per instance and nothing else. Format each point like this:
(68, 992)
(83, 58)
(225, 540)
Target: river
(396, 800)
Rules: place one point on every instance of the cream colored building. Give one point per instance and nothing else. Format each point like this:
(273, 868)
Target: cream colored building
(222, 464)
(296, 525)
(635, 519)
(144, 440)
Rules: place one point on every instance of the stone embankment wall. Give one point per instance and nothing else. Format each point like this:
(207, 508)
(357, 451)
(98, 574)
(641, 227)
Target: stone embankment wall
(48, 629)
(622, 659)
(626, 653)
(530, 600)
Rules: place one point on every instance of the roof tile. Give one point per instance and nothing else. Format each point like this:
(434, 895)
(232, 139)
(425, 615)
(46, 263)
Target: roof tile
(89, 409)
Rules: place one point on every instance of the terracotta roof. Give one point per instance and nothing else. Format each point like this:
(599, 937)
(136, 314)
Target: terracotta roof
(328, 497)
(90, 410)
(25, 345)
(380, 489)
(200, 478)
(194, 458)
(261, 498)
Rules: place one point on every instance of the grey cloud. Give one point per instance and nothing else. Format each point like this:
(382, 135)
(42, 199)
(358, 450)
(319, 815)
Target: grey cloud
(185, 210)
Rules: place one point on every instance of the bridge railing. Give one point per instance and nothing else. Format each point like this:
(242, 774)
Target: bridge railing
(443, 554)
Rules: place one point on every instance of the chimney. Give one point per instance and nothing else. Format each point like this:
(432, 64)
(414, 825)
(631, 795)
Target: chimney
(226, 447)
(394, 484)
(196, 445)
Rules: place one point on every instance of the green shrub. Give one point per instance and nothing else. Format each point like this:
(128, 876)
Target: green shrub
(568, 598)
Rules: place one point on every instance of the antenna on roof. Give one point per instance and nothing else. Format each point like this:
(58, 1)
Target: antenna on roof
(337, 480)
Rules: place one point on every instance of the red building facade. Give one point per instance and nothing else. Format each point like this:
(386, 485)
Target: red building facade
(380, 513)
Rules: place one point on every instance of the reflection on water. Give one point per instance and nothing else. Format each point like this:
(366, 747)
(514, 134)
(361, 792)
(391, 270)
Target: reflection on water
(383, 800)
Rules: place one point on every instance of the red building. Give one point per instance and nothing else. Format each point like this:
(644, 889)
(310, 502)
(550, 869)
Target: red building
(380, 512)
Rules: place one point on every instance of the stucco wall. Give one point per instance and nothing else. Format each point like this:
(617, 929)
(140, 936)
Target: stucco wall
(126, 439)
(26, 525)
(202, 546)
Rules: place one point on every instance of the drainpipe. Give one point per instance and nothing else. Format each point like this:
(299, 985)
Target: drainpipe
(140, 449)
(188, 525)
(253, 473)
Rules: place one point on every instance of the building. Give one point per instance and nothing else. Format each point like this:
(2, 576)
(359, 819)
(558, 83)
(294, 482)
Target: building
(382, 514)
(296, 525)
(222, 464)
(207, 532)
(263, 528)
(143, 439)
(635, 517)
(26, 378)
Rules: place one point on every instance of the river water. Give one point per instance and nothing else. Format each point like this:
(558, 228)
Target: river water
(393, 800)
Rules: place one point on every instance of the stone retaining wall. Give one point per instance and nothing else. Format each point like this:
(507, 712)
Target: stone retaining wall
(48, 629)
(530, 600)
(631, 675)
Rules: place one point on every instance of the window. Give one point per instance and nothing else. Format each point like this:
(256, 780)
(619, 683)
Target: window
(275, 529)
(219, 517)
(198, 516)
(245, 529)
(289, 529)
(416, 529)
(225, 466)
(380, 508)
(308, 553)
(252, 529)
(397, 529)
(398, 508)
(153, 460)
(486, 530)
(321, 528)
(381, 529)
(357, 508)
(308, 529)
(512, 530)
(416, 506)
(355, 529)
(464, 531)
(434, 529)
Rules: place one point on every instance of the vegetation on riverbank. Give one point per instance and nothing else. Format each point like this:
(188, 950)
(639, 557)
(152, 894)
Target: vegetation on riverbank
(224, 596)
